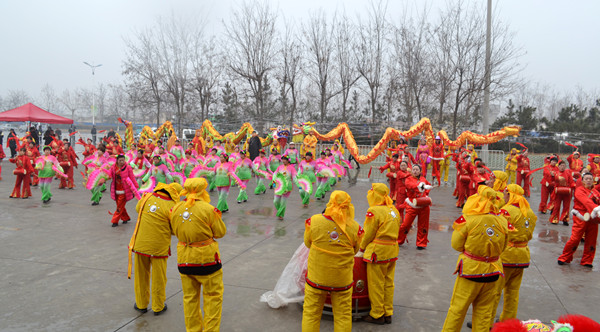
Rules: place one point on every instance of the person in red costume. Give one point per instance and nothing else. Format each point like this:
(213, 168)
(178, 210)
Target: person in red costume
(121, 189)
(523, 171)
(72, 157)
(586, 215)
(437, 155)
(575, 164)
(406, 156)
(33, 153)
(479, 177)
(466, 170)
(417, 191)
(401, 176)
(563, 188)
(393, 165)
(594, 167)
(548, 185)
(24, 168)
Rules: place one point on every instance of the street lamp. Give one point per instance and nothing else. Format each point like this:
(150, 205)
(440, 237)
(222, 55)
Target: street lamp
(93, 67)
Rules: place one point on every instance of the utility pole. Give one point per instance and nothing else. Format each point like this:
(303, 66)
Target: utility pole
(487, 78)
(93, 67)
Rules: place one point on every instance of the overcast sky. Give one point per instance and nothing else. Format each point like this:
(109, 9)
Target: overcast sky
(45, 42)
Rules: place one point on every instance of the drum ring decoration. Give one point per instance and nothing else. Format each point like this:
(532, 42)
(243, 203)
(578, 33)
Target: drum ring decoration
(360, 285)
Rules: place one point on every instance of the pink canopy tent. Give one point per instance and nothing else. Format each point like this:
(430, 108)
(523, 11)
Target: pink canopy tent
(30, 112)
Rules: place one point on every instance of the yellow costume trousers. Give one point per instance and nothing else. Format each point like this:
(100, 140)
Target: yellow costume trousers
(445, 169)
(341, 303)
(512, 175)
(510, 284)
(380, 278)
(466, 292)
(211, 287)
(141, 278)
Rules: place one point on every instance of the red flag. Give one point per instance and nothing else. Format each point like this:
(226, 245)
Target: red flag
(73, 133)
(370, 169)
(571, 145)
(523, 146)
(101, 131)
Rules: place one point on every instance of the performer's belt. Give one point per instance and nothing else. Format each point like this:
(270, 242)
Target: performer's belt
(328, 288)
(517, 244)
(385, 242)
(481, 258)
(196, 244)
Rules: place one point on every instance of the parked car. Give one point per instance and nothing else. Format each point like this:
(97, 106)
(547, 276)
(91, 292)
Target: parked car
(189, 133)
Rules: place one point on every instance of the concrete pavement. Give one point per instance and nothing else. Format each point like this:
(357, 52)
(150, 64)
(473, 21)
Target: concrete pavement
(62, 267)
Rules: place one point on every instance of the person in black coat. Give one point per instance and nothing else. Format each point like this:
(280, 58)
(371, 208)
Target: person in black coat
(48, 136)
(93, 132)
(35, 135)
(12, 141)
(254, 145)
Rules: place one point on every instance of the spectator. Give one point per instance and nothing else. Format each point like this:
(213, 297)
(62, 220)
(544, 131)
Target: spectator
(254, 145)
(72, 129)
(58, 133)
(93, 132)
(111, 133)
(48, 136)
(12, 143)
(35, 135)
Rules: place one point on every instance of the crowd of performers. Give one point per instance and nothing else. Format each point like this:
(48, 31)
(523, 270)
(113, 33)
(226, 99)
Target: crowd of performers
(491, 235)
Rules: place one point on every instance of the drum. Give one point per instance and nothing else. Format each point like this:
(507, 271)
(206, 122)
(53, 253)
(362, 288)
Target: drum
(360, 291)
(563, 191)
(64, 164)
(19, 172)
(422, 201)
(465, 178)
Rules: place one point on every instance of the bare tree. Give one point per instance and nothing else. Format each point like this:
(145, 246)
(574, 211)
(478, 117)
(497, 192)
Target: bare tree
(371, 50)
(319, 39)
(16, 98)
(48, 99)
(346, 68)
(142, 70)
(251, 33)
(70, 101)
(207, 65)
(291, 67)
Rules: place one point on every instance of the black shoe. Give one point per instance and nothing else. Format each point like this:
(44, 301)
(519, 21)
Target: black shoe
(561, 262)
(115, 225)
(25, 197)
(156, 313)
(566, 223)
(95, 203)
(421, 248)
(588, 265)
(125, 221)
(470, 325)
(239, 202)
(46, 201)
(378, 321)
(388, 319)
(103, 191)
(245, 200)
(138, 309)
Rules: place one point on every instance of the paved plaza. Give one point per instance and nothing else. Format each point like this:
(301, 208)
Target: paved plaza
(63, 268)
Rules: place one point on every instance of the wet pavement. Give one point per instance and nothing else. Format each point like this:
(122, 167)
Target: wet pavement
(62, 267)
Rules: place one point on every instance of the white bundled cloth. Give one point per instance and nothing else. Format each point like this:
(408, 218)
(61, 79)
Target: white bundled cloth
(290, 286)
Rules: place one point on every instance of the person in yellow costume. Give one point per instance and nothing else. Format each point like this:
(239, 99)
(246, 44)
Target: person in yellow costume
(480, 235)
(197, 224)
(275, 147)
(333, 238)
(309, 144)
(229, 145)
(472, 153)
(151, 243)
(380, 251)
(511, 165)
(445, 165)
(500, 181)
(516, 256)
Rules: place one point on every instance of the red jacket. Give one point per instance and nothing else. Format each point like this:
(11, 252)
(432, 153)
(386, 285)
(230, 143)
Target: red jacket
(412, 190)
(126, 173)
(22, 163)
(523, 164)
(585, 199)
(575, 164)
(549, 173)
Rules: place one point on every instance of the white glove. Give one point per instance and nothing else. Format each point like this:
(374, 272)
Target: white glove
(595, 212)
(421, 186)
(408, 201)
(576, 214)
(359, 254)
(427, 187)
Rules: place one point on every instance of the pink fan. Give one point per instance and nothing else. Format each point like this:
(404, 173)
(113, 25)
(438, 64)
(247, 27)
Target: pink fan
(95, 178)
(148, 187)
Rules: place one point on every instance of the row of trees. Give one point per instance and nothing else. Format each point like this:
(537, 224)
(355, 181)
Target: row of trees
(376, 68)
